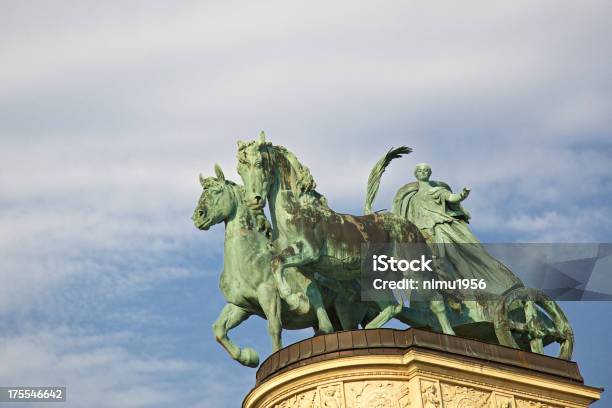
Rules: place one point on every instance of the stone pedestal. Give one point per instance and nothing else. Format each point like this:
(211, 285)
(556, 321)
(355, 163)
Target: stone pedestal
(387, 368)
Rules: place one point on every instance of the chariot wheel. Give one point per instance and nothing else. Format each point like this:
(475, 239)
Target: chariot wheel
(530, 317)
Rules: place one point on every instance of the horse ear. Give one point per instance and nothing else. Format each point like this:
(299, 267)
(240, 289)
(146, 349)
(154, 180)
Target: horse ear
(262, 137)
(201, 180)
(219, 173)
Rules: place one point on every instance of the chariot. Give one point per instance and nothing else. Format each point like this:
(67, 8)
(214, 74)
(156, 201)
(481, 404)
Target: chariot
(521, 318)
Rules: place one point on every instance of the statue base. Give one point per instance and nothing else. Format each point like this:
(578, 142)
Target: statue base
(387, 368)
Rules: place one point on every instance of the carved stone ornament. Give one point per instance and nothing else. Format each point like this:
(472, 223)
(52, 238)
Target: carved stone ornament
(503, 400)
(331, 396)
(307, 399)
(378, 394)
(430, 394)
(457, 396)
(521, 403)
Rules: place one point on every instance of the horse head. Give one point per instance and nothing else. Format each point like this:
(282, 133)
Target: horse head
(261, 164)
(255, 166)
(217, 202)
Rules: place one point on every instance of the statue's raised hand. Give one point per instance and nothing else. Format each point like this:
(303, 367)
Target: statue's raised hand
(464, 193)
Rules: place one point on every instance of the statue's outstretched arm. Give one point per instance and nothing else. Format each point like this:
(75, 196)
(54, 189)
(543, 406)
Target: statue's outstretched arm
(456, 198)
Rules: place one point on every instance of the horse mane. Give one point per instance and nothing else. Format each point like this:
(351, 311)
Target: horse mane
(304, 182)
(213, 182)
(249, 219)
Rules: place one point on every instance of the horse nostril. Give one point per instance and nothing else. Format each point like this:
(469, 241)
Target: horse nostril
(258, 199)
(201, 213)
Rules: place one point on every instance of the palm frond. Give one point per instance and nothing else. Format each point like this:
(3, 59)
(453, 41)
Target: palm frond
(377, 172)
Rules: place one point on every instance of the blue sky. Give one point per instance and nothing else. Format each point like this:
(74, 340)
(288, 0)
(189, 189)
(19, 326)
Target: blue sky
(109, 110)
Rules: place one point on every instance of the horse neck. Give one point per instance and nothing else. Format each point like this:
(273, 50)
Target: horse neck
(234, 221)
(281, 190)
(243, 244)
(286, 191)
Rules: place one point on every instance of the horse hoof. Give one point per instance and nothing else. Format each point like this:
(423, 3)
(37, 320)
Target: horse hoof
(248, 357)
(372, 325)
(325, 329)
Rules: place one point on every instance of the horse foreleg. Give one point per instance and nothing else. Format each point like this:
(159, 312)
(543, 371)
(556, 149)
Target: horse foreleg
(387, 312)
(437, 306)
(297, 254)
(347, 313)
(230, 317)
(413, 317)
(269, 301)
(316, 300)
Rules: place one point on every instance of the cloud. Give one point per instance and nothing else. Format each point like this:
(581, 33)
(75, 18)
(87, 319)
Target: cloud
(109, 111)
(84, 250)
(100, 371)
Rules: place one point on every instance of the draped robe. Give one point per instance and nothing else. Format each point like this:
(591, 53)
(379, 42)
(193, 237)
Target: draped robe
(445, 226)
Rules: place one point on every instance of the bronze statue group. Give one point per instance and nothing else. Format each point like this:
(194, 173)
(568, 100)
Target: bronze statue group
(302, 267)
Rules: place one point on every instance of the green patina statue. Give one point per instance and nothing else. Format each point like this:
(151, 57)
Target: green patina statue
(302, 269)
(311, 236)
(247, 283)
(437, 211)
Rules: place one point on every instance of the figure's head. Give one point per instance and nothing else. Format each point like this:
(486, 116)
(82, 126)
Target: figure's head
(216, 203)
(422, 172)
(330, 392)
(254, 167)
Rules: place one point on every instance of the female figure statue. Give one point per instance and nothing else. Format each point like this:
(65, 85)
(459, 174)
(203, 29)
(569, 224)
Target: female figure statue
(437, 212)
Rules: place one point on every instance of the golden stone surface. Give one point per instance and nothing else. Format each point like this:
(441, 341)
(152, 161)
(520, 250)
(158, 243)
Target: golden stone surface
(418, 378)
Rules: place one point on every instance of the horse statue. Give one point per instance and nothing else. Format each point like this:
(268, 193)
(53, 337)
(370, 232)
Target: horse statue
(247, 282)
(314, 238)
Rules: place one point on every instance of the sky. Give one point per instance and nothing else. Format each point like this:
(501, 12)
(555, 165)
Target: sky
(110, 110)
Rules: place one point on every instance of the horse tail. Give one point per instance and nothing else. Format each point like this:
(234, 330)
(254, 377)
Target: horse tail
(376, 174)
